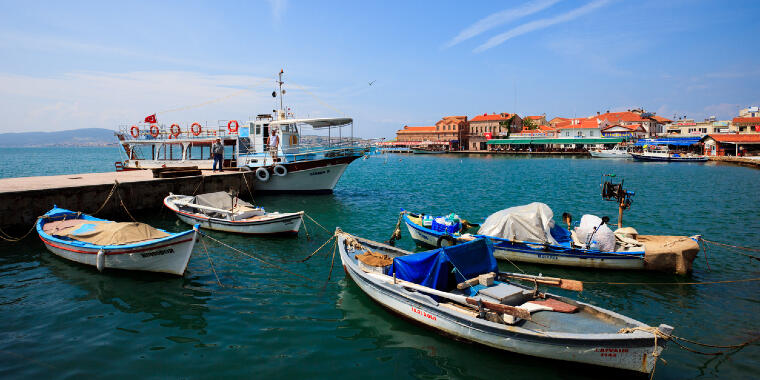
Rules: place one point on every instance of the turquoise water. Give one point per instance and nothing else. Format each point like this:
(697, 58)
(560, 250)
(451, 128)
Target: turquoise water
(66, 320)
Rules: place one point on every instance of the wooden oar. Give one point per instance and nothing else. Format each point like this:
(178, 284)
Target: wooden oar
(551, 281)
(506, 309)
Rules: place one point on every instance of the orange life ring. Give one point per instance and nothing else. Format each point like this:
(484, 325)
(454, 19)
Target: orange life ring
(134, 131)
(176, 130)
(198, 131)
(154, 130)
(293, 140)
(231, 128)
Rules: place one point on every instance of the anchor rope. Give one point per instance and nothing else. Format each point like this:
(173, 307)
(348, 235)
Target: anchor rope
(734, 248)
(315, 222)
(252, 256)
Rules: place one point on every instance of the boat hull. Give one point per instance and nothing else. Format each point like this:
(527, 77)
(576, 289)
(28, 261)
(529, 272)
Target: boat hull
(609, 154)
(641, 157)
(621, 351)
(535, 253)
(320, 180)
(165, 256)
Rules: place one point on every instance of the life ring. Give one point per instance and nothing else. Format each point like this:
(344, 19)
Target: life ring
(177, 131)
(280, 170)
(293, 140)
(230, 126)
(445, 241)
(154, 130)
(198, 131)
(134, 131)
(262, 174)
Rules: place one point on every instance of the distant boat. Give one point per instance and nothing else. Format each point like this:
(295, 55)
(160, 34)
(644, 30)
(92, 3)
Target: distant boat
(617, 151)
(459, 291)
(428, 150)
(218, 211)
(105, 244)
(664, 154)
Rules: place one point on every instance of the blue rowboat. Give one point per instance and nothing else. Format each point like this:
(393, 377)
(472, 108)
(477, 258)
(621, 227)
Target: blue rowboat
(433, 289)
(564, 253)
(105, 244)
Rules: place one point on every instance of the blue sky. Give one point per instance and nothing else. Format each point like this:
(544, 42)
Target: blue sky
(72, 64)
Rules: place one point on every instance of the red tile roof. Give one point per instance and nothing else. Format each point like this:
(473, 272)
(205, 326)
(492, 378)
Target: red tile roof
(492, 117)
(534, 117)
(616, 117)
(734, 137)
(747, 120)
(546, 128)
(633, 128)
(408, 129)
(578, 123)
(662, 120)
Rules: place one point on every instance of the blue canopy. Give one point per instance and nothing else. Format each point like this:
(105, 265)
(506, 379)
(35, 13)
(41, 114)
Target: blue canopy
(681, 141)
(432, 268)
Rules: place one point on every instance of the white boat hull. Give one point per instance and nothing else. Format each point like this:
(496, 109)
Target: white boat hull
(609, 154)
(500, 253)
(315, 180)
(166, 256)
(595, 349)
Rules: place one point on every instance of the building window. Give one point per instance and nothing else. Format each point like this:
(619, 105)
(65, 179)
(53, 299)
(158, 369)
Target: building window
(567, 134)
(591, 133)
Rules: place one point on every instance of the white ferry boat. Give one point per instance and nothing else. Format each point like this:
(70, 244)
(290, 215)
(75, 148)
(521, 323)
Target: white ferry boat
(617, 151)
(297, 166)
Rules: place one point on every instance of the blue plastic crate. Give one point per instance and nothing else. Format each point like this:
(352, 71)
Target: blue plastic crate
(442, 227)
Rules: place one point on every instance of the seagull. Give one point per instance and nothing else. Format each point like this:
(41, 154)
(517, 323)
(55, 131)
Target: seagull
(370, 83)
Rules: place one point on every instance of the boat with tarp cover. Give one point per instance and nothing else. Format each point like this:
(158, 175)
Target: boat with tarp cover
(222, 211)
(115, 245)
(528, 233)
(459, 291)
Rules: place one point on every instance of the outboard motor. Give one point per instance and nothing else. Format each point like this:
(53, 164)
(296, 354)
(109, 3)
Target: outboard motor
(615, 192)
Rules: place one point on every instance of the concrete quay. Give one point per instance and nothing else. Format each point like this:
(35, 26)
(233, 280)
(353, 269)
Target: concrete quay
(744, 161)
(22, 200)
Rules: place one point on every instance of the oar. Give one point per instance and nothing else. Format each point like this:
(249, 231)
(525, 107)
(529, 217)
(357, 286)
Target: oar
(551, 281)
(506, 309)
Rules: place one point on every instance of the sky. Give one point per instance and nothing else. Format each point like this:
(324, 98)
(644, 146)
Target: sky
(100, 64)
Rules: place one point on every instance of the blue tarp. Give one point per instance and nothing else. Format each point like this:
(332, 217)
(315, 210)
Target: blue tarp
(432, 268)
(680, 141)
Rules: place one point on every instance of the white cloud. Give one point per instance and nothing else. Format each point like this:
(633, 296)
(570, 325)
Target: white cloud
(500, 18)
(540, 24)
(278, 8)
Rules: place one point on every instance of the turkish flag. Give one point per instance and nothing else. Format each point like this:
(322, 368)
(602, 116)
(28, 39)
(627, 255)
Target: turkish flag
(150, 119)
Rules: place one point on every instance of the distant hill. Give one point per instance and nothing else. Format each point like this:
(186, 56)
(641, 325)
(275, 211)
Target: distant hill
(73, 137)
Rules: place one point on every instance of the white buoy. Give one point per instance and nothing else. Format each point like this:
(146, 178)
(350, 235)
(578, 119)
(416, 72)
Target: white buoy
(100, 261)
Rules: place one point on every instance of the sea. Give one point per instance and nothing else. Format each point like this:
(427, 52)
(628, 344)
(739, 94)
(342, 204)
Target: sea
(246, 315)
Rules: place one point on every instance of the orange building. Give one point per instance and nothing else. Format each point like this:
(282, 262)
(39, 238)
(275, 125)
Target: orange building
(416, 135)
(486, 126)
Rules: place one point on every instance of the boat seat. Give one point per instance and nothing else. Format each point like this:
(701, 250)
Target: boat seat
(506, 294)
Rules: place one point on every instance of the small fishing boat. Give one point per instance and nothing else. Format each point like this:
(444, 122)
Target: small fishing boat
(224, 212)
(529, 234)
(459, 291)
(106, 244)
(421, 150)
(617, 151)
(665, 154)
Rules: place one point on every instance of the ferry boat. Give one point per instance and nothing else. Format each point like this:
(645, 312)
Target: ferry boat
(618, 151)
(299, 163)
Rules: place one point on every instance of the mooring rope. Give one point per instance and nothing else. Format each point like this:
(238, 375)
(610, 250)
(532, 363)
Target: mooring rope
(317, 223)
(11, 239)
(110, 194)
(198, 186)
(203, 243)
(251, 256)
(249, 187)
(734, 247)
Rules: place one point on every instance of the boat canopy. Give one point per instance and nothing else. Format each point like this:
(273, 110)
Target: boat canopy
(679, 141)
(432, 268)
(316, 123)
(532, 223)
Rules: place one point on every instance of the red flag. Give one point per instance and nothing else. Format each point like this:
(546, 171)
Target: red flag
(150, 119)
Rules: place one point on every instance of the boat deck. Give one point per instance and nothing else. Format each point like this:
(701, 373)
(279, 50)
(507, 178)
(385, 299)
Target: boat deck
(78, 180)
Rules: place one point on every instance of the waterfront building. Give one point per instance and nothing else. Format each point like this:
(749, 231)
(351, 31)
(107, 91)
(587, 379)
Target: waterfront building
(416, 135)
(731, 144)
(537, 120)
(700, 128)
(581, 128)
(452, 130)
(651, 125)
(633, 131)
(753, 111)
(486, 126)
(746, 124)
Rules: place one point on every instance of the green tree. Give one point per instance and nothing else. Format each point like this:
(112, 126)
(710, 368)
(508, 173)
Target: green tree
(507, 124)
(529, 124)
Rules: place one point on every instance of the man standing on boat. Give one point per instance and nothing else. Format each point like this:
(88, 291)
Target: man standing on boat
(274, 141)
(217, 149)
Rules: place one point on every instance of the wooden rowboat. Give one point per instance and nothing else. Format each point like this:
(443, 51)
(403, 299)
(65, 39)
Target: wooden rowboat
(242, 217)
(105, 244)
(502, 313)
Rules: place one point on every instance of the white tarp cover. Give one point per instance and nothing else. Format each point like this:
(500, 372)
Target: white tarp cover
(530, 223)
(593, 230)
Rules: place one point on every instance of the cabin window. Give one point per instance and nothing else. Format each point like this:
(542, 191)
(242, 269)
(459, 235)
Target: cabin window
(244, 145)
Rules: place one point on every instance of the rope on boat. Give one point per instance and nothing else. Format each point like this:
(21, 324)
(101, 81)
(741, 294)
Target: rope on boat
(315, 252)
(251, 256)
(317, 223)
(203, 243)
(658, 334)
(332, 263)
(735, 248)
(9, 238)
(673, 283)
(303, 223)
(198, 186)
(110, 194)
(396, 235)
(248, 186)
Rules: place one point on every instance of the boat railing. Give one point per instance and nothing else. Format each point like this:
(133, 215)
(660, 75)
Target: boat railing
(158, 131)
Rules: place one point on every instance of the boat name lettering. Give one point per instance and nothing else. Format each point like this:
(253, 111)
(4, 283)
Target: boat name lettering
(610, 352)
(424, 314)
(320, 172)
(158, 253)
(551, 257)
